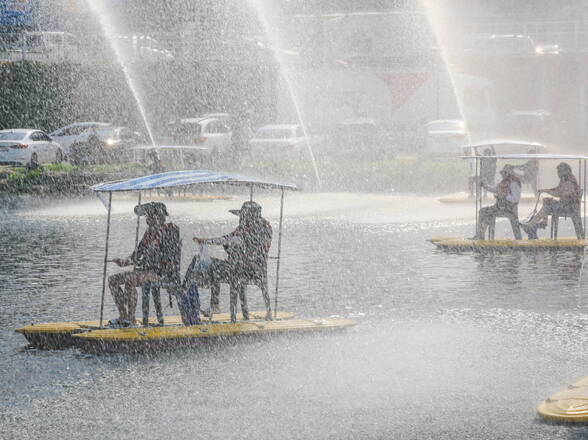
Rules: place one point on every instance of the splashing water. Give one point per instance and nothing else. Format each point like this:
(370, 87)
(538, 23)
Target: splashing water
(106, 24)
(262, 15)
(433, 17)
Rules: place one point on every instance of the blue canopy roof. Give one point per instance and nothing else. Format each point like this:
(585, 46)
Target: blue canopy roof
(183, 178)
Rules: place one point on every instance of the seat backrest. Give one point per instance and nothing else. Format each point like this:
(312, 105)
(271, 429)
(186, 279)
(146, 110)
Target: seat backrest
(172, 251)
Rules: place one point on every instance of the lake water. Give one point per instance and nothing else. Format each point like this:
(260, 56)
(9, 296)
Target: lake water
(447, 345)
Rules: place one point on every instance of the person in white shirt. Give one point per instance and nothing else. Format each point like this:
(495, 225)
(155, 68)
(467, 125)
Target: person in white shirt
(508, 194)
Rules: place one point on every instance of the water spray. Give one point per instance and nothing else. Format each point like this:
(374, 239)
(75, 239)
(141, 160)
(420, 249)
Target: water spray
(262, 15)
(106, 24)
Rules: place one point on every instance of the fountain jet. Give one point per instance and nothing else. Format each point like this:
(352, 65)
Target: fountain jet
(100, 10)
(274, 43)
(433, 17)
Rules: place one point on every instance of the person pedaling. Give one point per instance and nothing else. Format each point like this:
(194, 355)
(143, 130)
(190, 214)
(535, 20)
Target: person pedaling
(155, 261)
(247, 249)
(508, 195)
(569, 193)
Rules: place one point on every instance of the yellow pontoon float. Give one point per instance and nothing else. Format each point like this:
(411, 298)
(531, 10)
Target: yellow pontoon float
(569, 405)
(137, 339)
(553, 243)
(94, 336)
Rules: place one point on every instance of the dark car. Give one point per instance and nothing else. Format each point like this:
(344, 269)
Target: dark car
(104, 145)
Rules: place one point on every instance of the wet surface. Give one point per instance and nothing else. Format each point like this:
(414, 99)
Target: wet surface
(447, 346)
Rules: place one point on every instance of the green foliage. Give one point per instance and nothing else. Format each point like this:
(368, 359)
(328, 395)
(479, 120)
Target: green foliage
(23, 177)
(60, 167)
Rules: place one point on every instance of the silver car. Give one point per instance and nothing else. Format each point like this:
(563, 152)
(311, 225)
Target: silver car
(67, 135)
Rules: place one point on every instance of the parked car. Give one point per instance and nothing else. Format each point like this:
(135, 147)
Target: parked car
(143, 47)
(212, 133)
(67, 135)
(28, 147)
(537, 124)
(43, 46)
(280, 138)
(445, 136)
(506, 44)
(104, 144)
(548, 49)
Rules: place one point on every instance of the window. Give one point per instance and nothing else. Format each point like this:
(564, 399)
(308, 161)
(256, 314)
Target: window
(11, 136)
(75, 130)
(274, 133)
(217, 127)
(37, 136)
(125, 133)
(185, 132)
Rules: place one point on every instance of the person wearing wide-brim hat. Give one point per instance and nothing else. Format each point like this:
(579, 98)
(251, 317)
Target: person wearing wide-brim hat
(508, 194)
(156, 258)
(570, 196)
(247, 250)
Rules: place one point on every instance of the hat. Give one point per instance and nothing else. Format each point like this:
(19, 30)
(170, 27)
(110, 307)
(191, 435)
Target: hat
(151, 208)
(508, 169)
(564, 168)
(248, 208)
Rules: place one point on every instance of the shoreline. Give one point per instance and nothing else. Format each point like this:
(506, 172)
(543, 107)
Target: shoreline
(397, 175)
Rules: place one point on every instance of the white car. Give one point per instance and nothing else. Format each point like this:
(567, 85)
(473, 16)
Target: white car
(281, 138)
(211, 133)
(28, 147)
(67, 135)
(445, 136)
(508, 44)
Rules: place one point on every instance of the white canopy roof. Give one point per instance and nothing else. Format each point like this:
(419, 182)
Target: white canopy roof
(529, 156)
(504, 142)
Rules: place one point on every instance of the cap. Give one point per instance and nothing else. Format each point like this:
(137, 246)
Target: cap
(249, 208)
(151, 208)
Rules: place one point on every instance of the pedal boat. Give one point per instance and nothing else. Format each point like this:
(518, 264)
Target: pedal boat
(94, 336)
(567, 244)
(59, 335)
(502, 146)
(569, 405)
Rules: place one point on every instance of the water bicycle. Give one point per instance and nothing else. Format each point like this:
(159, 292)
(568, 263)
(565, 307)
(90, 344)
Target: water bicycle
(568, 405)
(95, 336)
(553, 243)
(497, 146)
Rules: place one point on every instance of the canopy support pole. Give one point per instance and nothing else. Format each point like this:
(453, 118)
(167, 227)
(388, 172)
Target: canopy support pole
(279, 253)
(584, 199)
(477, 183)
(251, 193)
(538, 172)
(105, 258)
(137, 230)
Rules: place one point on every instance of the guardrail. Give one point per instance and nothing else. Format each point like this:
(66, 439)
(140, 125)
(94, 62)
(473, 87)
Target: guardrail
(571, 36)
